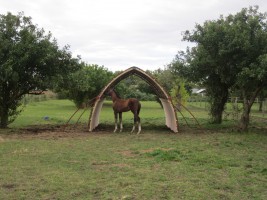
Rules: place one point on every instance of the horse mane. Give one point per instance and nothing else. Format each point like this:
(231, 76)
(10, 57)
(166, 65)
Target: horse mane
(117, 94)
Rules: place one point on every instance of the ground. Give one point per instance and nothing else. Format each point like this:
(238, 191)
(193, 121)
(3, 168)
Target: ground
(43, 159)
(57, 162)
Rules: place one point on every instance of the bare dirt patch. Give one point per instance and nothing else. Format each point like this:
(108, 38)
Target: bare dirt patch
(63, 131)
(105, 165)
(51, 132)
(9, 186)
(153, 149)
(55, 132)
(129, 153)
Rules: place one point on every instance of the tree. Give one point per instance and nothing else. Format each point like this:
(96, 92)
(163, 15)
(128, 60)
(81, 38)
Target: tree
(165, 77)
(250, 28)
(251, 81)
(225, 49)
(29, 60)
(179, 93)
(85, 83)
(135, 87)
(209, 63)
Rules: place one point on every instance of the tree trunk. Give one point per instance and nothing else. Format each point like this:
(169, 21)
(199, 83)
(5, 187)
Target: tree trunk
(244, 121)
(217, 105)
(4, 118)
(247, 104)
(216, 118)
(260, 104)
(9, 102)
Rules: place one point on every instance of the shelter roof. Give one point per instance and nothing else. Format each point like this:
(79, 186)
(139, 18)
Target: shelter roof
(159, 90)
(170, 113)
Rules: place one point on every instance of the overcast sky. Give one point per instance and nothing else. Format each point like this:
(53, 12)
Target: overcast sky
(123, 33)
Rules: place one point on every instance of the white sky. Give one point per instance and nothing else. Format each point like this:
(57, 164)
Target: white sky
(123, 33)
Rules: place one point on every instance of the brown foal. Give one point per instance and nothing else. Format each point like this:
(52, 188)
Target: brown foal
(125, 105)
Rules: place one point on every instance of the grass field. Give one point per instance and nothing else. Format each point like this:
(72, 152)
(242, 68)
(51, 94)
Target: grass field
(41, 160)
(59, 111)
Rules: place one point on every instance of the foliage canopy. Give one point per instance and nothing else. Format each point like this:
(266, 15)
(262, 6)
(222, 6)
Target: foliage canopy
(29, 60)
(84, 84)
(230, 53)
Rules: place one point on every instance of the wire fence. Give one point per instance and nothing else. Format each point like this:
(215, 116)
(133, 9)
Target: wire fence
(233, 107)
(29, 98)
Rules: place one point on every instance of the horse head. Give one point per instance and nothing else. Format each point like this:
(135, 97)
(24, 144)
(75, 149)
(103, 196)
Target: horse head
(109, 91)
(112, 92)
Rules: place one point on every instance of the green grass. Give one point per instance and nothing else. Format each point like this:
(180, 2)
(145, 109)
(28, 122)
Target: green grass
(50, 163)
(149, 166)
(35, 113)
(59, 111)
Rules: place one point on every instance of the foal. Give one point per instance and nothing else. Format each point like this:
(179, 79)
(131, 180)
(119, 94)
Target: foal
(124, 105)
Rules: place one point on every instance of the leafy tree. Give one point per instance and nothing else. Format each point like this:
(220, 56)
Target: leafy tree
(252, 69)
(135, 87)
(251, 81)
(208, 64)
(230, 52)
(29, 60)
(179, 93)
(165, 77)
(85, 83)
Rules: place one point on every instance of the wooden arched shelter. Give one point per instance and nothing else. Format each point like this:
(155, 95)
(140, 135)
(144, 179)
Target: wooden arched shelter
(171, 119)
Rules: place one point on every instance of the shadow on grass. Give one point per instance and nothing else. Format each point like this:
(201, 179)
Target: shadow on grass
(61, 130)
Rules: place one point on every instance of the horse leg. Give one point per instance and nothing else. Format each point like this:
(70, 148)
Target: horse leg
(133, 128)
(139, 124)
(138, 118)
(120, 118)
(134, 124)
(116, 121)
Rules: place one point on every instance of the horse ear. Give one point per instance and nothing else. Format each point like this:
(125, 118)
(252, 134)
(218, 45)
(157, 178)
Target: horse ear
(108, 91)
